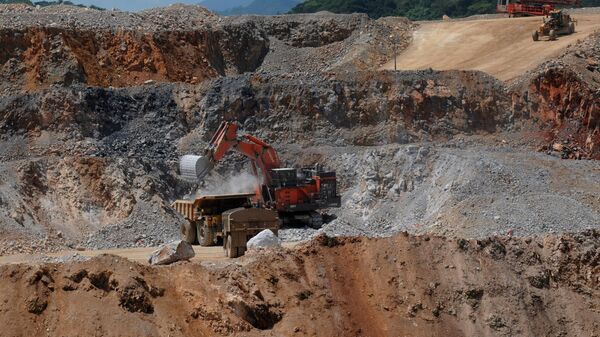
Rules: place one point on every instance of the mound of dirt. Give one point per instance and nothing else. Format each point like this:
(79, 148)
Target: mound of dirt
(405, 285)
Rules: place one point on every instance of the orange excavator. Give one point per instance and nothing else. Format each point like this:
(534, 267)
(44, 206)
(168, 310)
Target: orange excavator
(296, 194)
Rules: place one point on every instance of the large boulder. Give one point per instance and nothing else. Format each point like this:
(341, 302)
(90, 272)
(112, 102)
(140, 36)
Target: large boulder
(264, 239)
(172, 252)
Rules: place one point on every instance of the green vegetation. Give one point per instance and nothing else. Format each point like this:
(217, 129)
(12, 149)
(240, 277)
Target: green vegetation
(413, 9)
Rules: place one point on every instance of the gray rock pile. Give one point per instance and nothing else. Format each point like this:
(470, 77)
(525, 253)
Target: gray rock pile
(175, 17)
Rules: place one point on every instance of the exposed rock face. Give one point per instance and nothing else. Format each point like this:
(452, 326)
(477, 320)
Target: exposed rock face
(439, 103)
(39, 57)
(364, 108)
(563, 95)
(177, 44)
(312, 30)
(570, 107)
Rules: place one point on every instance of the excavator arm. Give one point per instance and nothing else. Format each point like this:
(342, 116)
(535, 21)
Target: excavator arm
(262, 155)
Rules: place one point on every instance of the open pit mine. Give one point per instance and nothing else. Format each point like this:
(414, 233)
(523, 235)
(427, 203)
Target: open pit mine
(173, 172)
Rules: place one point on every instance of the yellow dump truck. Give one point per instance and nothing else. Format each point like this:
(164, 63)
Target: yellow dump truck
(227, 218)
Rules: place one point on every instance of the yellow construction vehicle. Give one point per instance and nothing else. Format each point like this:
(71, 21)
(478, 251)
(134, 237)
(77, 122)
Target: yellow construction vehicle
(555, 23)
(230, 218)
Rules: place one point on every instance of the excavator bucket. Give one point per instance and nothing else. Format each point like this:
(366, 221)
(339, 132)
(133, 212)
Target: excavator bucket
(194, 168)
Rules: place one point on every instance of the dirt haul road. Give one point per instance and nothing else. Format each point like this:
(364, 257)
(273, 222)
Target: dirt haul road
(500, 47)
(139, 255)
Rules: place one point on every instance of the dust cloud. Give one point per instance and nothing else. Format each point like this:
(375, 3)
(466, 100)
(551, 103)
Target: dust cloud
(242, 182)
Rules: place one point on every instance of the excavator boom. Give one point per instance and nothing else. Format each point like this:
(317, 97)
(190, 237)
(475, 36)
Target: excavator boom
(261, 154)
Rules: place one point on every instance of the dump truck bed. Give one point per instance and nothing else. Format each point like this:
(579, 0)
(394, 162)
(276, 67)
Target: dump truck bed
(188, 207)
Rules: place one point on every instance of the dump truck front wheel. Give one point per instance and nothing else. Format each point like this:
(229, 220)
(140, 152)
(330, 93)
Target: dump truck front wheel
(571, 27)
(535, 36)
(552, 35)
(230, 250)
(205, 236)
(316, 220)
(188, 232)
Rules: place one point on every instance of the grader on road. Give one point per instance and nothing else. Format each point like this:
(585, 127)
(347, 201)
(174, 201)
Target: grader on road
(555, 23)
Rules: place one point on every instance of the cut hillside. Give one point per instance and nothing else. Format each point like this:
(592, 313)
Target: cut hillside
(405, 285)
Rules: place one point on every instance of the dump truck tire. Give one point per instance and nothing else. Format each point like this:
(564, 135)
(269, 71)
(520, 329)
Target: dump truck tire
(205, 236)
(535, 36)
(188, 232)
(316, 220)
(230, 251)
(571, 27)
(552, 35)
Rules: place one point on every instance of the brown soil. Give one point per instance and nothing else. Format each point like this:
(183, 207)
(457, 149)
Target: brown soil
(501, 47)
(44, 56)
(401, 286)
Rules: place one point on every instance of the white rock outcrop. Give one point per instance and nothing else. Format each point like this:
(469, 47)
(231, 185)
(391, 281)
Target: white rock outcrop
(264, 239)
(172, 252)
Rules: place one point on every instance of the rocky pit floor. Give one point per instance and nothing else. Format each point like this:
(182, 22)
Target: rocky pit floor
(471, 203)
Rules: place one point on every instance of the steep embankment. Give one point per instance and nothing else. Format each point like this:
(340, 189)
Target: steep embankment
(66, 46)
(416, 286)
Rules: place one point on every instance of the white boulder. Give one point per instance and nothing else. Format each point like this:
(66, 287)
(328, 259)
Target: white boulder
(264, 239)
(172, 252)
